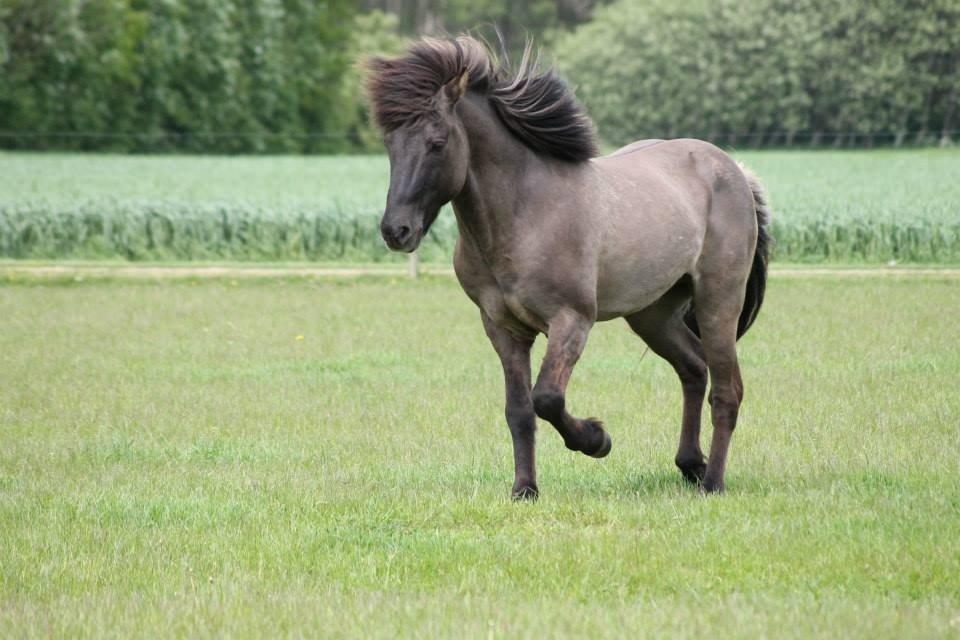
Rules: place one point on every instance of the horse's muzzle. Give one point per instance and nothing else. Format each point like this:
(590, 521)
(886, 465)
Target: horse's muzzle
(400, 237)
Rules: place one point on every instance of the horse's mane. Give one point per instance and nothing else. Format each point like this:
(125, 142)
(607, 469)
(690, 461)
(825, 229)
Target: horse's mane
(537, 106)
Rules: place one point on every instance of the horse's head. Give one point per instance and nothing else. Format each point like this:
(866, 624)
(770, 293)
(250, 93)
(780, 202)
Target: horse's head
(428, 167)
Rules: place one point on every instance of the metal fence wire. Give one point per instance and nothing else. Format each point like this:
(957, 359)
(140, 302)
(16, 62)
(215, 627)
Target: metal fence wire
(12, 139)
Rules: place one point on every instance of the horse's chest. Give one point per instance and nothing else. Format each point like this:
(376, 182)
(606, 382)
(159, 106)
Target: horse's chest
(506, 309)
(520, 312)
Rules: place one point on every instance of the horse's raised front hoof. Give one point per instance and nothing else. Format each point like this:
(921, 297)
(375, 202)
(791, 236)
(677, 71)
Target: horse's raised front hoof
(592, 439)
(692, 470)
(600, 439)
(525, 492)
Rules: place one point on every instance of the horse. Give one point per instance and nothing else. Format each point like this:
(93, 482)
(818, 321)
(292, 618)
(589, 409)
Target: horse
(670, 235)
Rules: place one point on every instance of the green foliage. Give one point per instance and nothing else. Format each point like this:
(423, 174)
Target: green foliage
(228, 231)
(513, 20)
(508, 23)
(219, 76)
(768, 71)
(167, 230)
(373, 34)
(831, 239)
(280, 75)
(173, 74)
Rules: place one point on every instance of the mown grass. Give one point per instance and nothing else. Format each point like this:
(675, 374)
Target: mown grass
(300, 457)
(840, 206)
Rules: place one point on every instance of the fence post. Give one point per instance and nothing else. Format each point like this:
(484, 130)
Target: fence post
(413, 265)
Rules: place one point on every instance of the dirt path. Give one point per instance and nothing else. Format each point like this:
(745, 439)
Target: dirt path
(152, 272)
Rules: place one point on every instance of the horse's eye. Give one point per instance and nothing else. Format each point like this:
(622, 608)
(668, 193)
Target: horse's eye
(435, 144)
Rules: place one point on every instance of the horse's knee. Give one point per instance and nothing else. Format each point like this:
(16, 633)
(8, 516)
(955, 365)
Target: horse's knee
(548, 404)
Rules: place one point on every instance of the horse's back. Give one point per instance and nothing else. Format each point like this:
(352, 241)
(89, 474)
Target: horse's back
(636, 146)
(683, 173)
(703, 159)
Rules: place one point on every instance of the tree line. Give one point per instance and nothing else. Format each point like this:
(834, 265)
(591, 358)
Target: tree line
(217, 75)
(771, 72)
(281, 76)
(193, 75)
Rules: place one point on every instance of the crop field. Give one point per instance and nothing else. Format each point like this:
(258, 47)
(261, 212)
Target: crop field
(301, 457)
(836, 207)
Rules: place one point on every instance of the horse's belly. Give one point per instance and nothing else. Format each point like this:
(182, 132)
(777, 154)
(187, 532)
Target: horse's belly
(654, 223)
(616, 302)
(638, 274)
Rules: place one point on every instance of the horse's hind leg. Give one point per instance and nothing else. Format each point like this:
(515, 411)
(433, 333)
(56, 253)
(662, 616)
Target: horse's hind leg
(717, 304)
(567, 337)
(661, 326)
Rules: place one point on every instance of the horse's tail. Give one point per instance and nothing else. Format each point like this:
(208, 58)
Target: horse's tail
(757, 281)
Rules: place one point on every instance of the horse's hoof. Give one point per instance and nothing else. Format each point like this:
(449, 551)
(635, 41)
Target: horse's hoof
(604, 448)
(525, 492)
(692, 470)
(711, 485)
(605, 444)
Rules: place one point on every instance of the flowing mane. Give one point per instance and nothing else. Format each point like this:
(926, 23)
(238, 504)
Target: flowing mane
(536, 106)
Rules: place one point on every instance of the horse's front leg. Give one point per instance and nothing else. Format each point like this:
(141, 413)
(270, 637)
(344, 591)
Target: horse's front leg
(515, 357)
(566, 338)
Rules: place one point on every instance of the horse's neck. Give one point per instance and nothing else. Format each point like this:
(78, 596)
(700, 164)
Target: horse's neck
(486, 208)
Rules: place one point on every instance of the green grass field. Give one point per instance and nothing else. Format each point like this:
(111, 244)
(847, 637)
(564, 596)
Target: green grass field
(844, 206)
(295, 457)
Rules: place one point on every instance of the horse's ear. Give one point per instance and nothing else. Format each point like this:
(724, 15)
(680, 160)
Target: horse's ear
(455, 88)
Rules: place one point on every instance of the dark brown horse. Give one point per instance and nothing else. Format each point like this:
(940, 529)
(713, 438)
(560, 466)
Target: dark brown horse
(669, 235)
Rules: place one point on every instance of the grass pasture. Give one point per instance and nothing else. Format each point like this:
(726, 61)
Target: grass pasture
(290, 457)
(837, 207)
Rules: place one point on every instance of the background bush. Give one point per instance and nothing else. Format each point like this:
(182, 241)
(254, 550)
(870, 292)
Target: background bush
(751, 72)
(190, 75)
(280, 75)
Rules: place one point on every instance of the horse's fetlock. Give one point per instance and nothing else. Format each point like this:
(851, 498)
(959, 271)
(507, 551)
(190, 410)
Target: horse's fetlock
(689, 461)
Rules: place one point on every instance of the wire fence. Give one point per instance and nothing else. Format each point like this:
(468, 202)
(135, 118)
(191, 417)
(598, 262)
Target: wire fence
(742, 139)
(173, 135)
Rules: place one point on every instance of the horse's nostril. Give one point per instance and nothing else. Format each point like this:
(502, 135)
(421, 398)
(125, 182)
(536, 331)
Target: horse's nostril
(396, 235)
